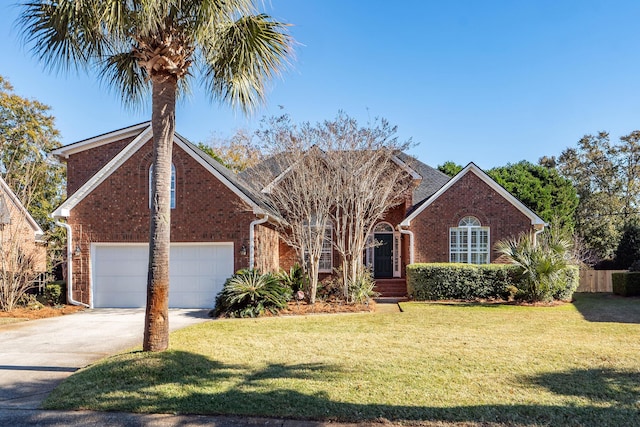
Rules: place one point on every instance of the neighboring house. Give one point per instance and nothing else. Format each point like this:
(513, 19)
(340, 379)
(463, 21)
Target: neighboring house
(221, 223)
(22, 249)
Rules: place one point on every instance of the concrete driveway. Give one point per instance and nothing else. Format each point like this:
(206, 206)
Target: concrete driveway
(36, 355)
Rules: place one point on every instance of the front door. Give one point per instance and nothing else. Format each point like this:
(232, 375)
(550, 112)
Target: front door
(383, 256)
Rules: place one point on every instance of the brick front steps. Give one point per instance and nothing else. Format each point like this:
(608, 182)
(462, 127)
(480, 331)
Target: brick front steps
(391, 288)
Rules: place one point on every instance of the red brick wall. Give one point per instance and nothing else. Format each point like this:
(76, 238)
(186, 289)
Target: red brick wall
(118, 210)
(470, 196)
(267, 252)
(83, 165)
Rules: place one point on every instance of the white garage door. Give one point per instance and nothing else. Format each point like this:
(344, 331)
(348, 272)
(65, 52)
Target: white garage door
(197, 274)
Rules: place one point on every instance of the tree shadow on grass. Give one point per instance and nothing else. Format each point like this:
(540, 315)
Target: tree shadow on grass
(601, 307)
(620, 388)
(186, 383)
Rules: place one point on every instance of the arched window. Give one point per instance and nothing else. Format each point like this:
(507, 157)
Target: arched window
(469, 242)
(173, 185)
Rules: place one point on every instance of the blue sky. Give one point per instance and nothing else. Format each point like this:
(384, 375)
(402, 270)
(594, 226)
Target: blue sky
(490, 81)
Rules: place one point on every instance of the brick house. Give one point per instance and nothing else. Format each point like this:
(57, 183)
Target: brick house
(220, 223)
(20, 235)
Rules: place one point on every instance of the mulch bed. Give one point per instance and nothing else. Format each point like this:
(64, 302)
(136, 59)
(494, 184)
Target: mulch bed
(42, 313)
(325, 307)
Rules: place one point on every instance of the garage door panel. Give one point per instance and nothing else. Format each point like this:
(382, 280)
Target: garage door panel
(197, 274)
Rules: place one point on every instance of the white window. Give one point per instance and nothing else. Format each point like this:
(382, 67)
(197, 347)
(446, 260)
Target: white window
(173, 186)
(326, 258)
(469, 242)
(325, 263)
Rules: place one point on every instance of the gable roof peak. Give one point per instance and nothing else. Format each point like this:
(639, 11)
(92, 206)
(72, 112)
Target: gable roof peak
(106, 138)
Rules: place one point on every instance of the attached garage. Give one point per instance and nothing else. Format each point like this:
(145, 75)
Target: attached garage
(197, 274)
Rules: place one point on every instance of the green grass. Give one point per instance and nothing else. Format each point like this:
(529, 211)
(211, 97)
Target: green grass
(572, 365)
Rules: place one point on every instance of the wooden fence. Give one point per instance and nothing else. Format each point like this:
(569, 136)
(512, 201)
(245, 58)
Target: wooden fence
(596, 280)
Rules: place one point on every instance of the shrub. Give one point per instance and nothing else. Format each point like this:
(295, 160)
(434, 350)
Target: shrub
(542, 264)
(295, 278)
(461, 281)
(626, 284)
(53, 294)
(250, 294)
(629, 247)
(566, 283)
(635, 266)
(29, 301)
(361, 288)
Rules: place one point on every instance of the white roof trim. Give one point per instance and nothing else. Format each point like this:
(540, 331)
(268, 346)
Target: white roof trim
(96, 141)
(406, 167)
(97, 179)
(471, 167)
(37, 231)
(64, 210)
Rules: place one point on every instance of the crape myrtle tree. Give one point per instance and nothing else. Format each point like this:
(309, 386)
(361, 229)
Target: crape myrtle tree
(142, 46)
(295, 179)
(334, 174)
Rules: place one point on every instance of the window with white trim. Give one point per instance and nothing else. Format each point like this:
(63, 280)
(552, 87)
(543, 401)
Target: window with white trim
(326, 258)
(469, 242)
(173, 185)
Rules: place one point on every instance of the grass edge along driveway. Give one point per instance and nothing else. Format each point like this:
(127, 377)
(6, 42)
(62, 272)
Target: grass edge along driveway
(574, 364)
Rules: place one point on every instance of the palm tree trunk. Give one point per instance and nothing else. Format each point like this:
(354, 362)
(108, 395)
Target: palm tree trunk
(156, 326)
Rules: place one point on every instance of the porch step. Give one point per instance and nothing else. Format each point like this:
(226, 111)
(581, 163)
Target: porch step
(391, 288)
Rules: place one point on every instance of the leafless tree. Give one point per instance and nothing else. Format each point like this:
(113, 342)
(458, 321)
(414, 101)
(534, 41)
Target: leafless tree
(335, 174)
(22, 259)
(368, 179)
(295, 181)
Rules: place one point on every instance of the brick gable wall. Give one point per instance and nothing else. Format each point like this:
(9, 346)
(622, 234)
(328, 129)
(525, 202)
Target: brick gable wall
(83, 165)
(118, 210)
(469, 196)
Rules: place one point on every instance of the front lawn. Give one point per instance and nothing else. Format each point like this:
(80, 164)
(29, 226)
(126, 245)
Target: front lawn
(436, 362)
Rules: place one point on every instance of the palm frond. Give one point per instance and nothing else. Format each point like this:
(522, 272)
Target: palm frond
(122, 72)
(64, 34)
(241, 56)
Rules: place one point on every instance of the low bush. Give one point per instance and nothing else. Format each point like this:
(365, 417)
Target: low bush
(53, 294)
(361, 289)
(566, 283)
(461, 281)
(626, 284)
(250, 294)
(487, 281)
(295, 278)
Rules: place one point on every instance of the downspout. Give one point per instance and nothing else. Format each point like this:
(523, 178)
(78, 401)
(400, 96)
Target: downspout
(410, 234)
(535, 234)
(70, 265)
(252, 244)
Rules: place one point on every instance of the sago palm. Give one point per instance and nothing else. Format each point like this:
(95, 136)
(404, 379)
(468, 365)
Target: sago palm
(139, 46)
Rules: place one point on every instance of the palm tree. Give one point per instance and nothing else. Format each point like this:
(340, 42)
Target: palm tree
(139, 45)
(542, 262)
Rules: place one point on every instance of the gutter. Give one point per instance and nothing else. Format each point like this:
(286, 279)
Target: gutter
(252, 244)
(70, 265)
(410, 234)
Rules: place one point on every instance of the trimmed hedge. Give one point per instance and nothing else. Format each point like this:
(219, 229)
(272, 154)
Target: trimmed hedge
(469, 281)
(460, 281)
(626, 284)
